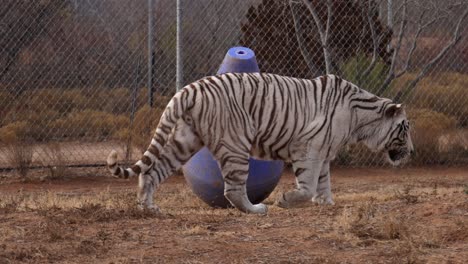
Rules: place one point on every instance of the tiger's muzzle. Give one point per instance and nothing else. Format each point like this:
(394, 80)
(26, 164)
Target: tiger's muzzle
(397, 156)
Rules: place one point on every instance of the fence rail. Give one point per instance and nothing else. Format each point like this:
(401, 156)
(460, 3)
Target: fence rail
(79, 78)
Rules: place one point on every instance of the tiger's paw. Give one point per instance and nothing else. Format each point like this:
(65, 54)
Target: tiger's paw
(260, 208)
(323, 200)
(153, 209)
(281, 202)
(149, 208)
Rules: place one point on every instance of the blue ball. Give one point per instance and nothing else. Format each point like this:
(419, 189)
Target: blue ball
(202, 172)
(239, 59)
(204, 177)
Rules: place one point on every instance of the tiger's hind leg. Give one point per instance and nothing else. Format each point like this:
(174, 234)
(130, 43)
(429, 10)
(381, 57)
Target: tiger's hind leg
(145, 192)
(235, 170)
(307, 174)
(324, 194)
(182, 144)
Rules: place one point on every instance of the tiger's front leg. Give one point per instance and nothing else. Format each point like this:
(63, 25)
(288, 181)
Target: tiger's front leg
(235, 171)
(307, 175)
(324, 194)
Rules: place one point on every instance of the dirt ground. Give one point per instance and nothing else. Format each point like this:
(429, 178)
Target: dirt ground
(410, 215)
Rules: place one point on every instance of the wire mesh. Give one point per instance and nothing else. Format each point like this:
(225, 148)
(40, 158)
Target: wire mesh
(73, 74)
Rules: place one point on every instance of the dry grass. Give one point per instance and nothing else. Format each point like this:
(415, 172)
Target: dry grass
(57, 114)
(442, 92)
(140, 132)
(72, 208)
(27, 255)
(406, 220)
(88, 124)
(367, 225)
(428, 127)
(20, 155)
(52, 157)
(406, 196)
(12, 203)
(460, 233)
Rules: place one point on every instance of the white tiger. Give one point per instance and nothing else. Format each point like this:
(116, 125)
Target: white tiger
(266, 116)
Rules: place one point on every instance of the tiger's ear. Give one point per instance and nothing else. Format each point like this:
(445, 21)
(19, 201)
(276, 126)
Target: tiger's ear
(393, 110)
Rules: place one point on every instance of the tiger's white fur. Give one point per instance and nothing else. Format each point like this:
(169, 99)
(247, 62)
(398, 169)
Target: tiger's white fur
(266, 116)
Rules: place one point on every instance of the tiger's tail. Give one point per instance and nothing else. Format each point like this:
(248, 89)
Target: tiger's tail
(174, 111)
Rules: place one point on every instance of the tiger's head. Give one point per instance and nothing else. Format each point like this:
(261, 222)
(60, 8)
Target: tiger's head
(398, 145)
(391, 135)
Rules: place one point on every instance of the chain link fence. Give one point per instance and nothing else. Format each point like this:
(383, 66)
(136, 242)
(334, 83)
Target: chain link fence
(80, 77)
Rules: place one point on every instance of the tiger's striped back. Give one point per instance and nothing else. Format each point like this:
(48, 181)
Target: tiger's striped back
(275, 113)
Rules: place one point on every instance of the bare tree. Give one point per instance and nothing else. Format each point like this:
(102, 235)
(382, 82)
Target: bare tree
(431, 13)
(375, 38)
(206, 42)
(323, 30)
(298, 26)
(22, 22)
(424, 21)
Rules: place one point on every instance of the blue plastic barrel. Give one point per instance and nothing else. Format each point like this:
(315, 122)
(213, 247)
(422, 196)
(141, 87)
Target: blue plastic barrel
(202, 172)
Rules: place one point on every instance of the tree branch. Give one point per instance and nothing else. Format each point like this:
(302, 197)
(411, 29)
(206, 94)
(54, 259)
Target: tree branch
(374, 42)
(323, 32)
(391, 72)
(301, 41)
(455, 39)
(317, 21)
(329, 18)
(421, 27)
(10, 60)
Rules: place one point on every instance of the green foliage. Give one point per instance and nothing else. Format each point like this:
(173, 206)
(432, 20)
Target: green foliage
(354, 70)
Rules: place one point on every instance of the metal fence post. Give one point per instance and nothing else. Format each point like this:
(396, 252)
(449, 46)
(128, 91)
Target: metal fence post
(389, 18)
(150, 53)
(179, 63)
